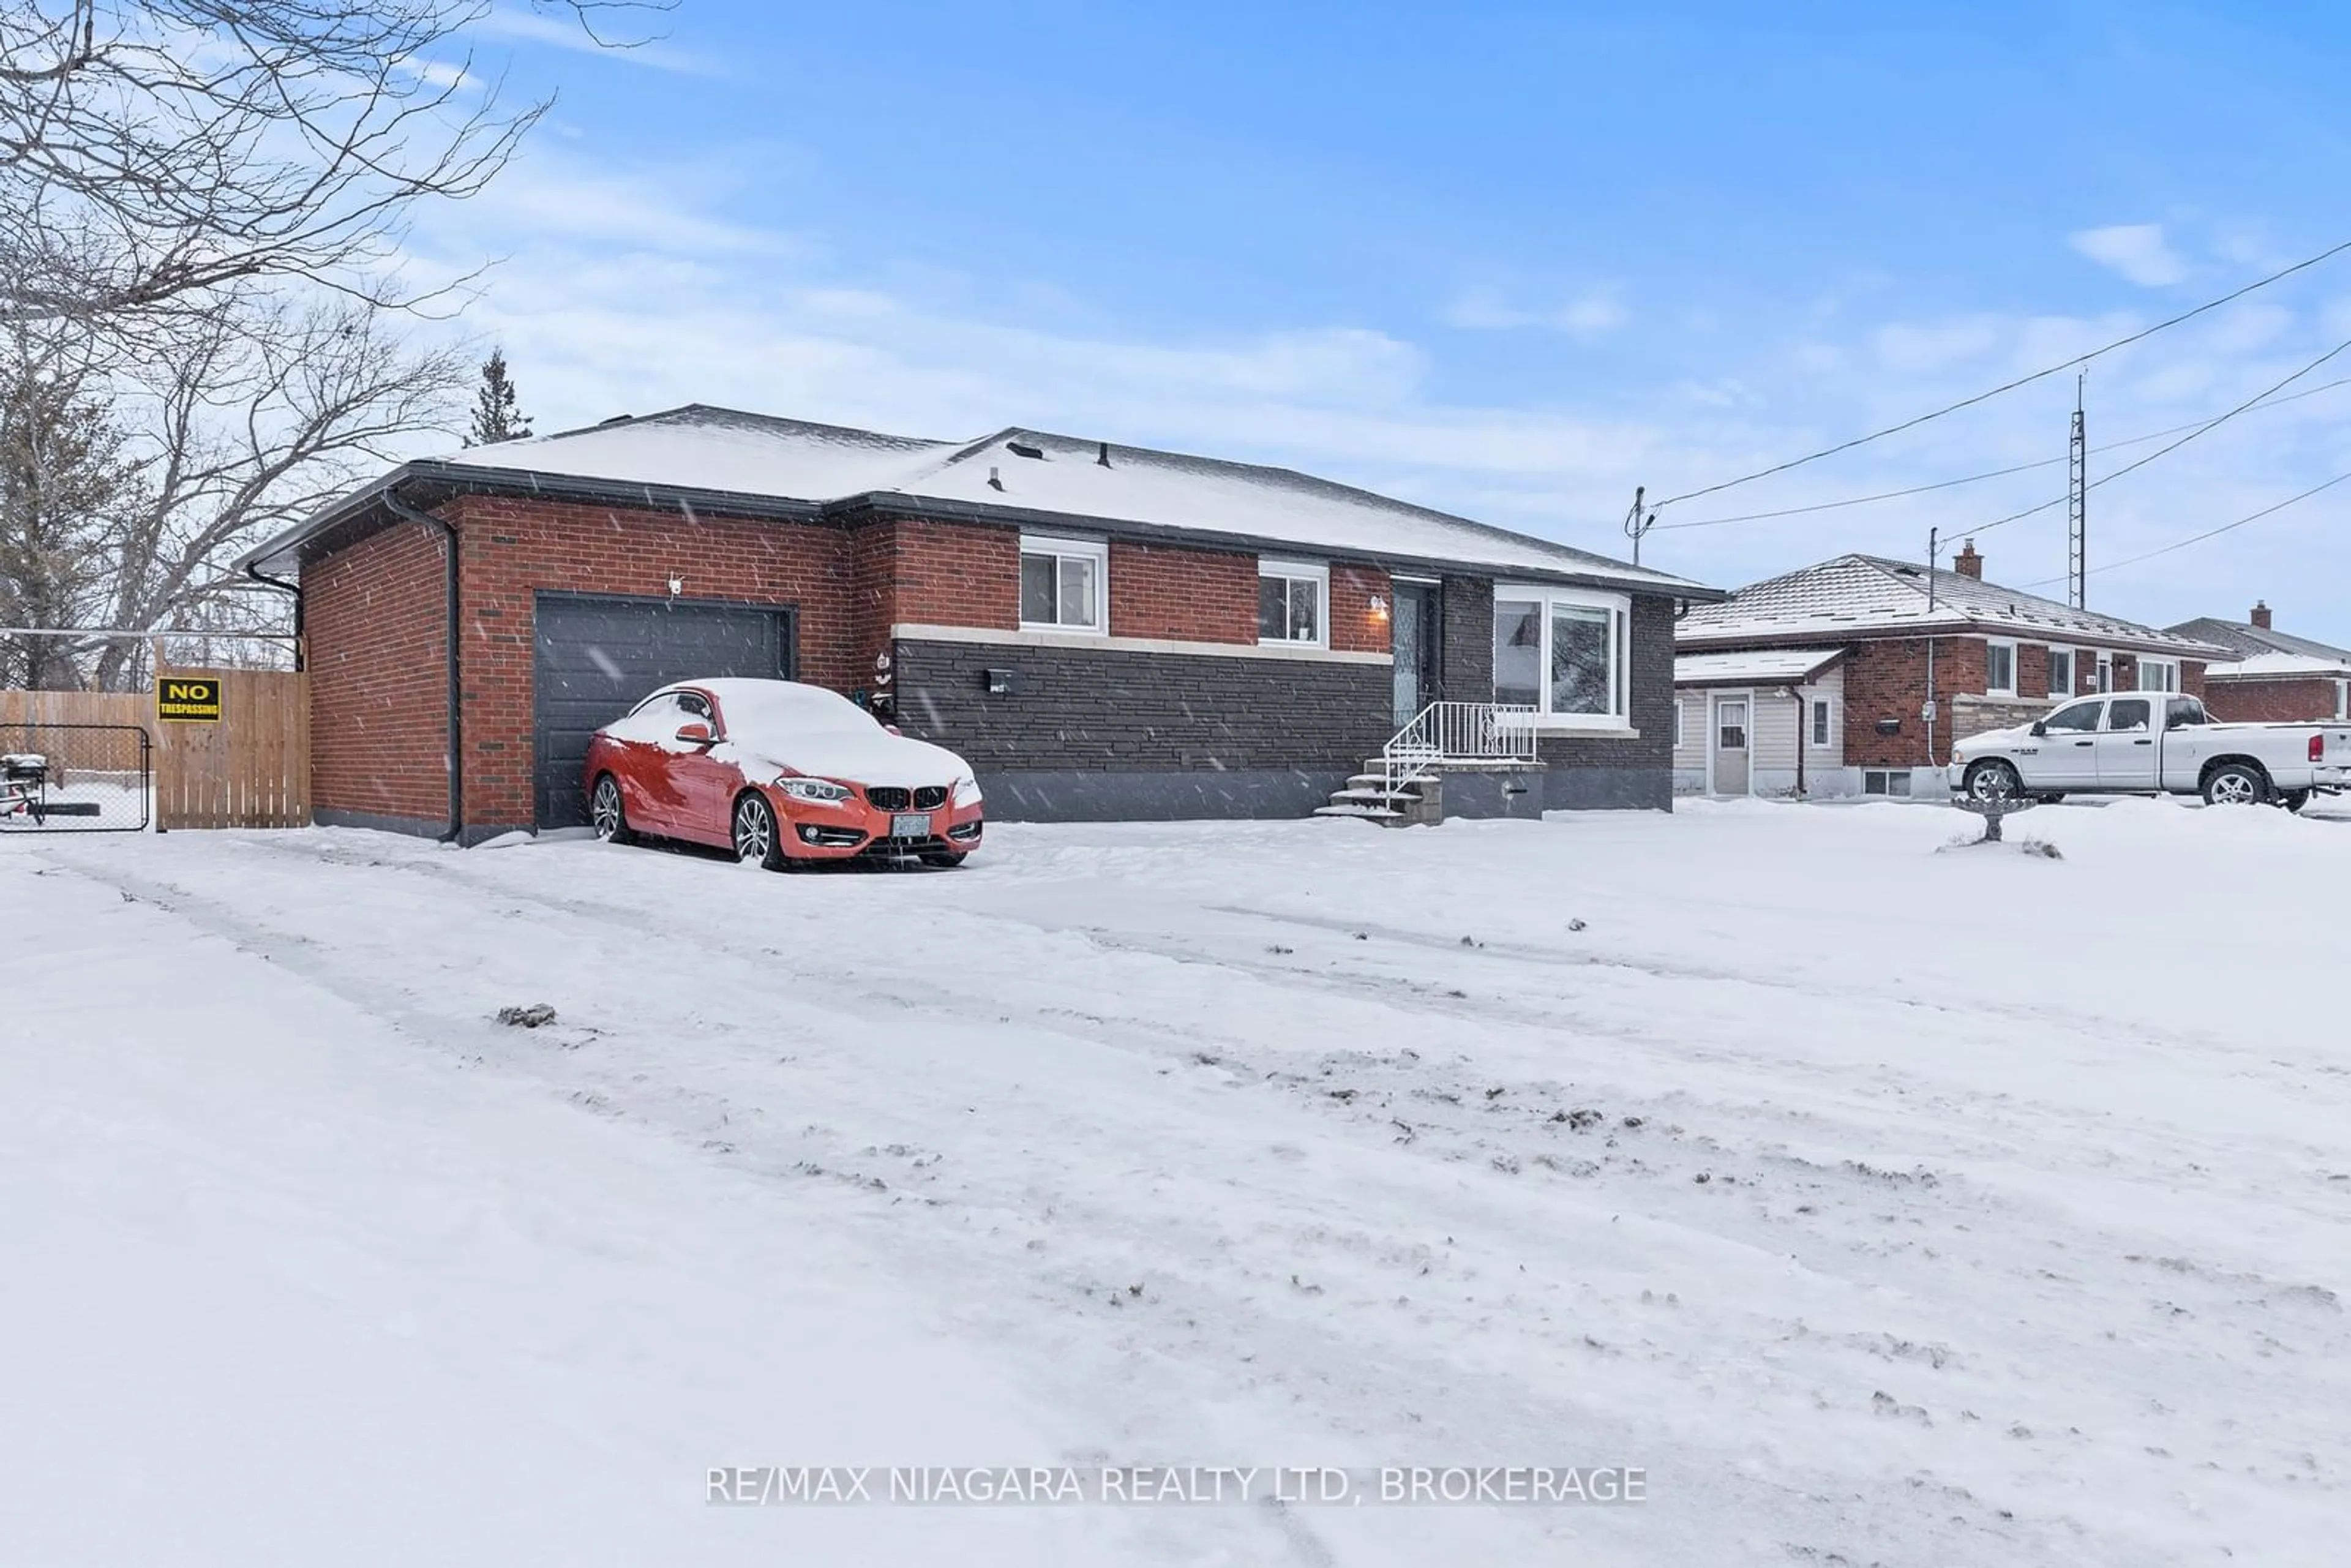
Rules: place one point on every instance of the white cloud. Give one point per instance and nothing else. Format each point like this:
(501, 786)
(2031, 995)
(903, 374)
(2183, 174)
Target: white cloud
(523, 26)
(1589, 315)
(2136, 251)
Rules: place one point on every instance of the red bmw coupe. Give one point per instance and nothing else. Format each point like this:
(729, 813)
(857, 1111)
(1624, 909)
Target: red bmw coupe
(781, 773)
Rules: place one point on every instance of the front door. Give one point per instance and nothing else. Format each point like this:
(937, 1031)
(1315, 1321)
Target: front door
(1413, 637)
(1730, 767)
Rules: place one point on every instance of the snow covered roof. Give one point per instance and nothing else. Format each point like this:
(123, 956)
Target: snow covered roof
(2281, 667)
(2247, 640)
(1761, 664)
(1867, 595)
(713, 454)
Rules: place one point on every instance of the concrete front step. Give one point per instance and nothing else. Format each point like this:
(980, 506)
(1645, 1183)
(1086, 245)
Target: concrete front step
(1359, 809)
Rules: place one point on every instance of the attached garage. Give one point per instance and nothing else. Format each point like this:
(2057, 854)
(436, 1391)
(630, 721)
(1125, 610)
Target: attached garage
(593, 657)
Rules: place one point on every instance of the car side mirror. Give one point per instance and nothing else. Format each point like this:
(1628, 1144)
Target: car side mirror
(696, 734)
(2040, 728)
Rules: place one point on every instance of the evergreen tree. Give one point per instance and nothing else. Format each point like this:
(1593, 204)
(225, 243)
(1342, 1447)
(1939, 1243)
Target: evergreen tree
(498, 415)
(64, 483)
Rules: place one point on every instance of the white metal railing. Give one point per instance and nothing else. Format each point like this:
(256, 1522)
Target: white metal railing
(1457, 732)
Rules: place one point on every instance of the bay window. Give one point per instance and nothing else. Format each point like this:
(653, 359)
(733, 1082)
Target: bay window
(1562, 652)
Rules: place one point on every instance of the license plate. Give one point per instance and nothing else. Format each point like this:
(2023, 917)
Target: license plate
(909, 825)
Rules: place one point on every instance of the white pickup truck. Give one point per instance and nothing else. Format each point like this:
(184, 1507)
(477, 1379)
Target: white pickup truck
(2149, 743)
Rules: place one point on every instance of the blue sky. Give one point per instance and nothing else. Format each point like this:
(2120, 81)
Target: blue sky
(1510, 260)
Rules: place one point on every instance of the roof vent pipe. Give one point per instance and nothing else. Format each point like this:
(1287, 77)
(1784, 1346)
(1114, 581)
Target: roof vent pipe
(1103, 456)
(993, 481)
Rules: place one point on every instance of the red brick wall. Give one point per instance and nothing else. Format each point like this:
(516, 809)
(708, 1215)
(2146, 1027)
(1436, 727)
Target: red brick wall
(1189, 595)
(512, 547)
(1355, 626)
(2271, 702)
(380, 676)
(1888, 680)
(956, 574)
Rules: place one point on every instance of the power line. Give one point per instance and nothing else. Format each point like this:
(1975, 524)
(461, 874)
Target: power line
(2164, 451)
(2207, 534)
(2073, 363)
(1988, 474)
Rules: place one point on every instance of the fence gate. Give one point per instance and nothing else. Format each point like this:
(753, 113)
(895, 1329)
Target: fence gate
(69, 764)
(231, 748)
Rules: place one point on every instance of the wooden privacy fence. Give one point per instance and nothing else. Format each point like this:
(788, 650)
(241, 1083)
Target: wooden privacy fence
(250, 768)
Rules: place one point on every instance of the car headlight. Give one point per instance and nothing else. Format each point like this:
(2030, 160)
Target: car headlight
(967, 791)
(813, 788)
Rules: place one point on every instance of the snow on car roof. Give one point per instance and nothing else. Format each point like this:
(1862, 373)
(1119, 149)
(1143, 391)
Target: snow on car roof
(1858, 594)
(702, 447)
(745, 698)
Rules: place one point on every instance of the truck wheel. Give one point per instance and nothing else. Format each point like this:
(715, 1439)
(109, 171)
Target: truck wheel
(1993, 780)
(2236, 784)
(2294, 800)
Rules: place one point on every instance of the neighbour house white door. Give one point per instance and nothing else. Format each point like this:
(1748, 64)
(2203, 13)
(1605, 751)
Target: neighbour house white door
(2127, 745)
(1730, 773)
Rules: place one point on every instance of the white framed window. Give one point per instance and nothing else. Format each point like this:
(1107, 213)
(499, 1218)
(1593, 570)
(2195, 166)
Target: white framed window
(1677, 720)
(1564, 652)
(2342, 700)
(1294, 603)
(2060, 672)
(1821, 729)
(2159, 674)
(2105, 672)
(1890, 781)
(2000, 669)
(1064, 585)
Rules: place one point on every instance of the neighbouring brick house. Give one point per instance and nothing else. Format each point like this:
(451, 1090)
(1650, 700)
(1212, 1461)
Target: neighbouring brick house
(2272, 677)
(1818, 681)
(1104, 631)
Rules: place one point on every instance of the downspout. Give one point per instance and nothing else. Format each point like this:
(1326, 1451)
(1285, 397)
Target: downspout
(1803, 735)
(255, 572)
(456, 763)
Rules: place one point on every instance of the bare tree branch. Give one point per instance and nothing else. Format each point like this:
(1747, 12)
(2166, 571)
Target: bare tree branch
(152, 151)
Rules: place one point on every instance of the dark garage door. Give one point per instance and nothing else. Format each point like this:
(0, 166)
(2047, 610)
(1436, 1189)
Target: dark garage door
(595, 658)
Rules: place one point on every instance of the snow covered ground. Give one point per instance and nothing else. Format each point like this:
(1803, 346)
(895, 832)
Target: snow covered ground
(1884, 1205)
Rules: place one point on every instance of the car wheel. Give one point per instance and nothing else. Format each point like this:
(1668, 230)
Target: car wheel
(756, 837)
(1993, 780)
(606, 816)
(2236, 784)
(2294, 800)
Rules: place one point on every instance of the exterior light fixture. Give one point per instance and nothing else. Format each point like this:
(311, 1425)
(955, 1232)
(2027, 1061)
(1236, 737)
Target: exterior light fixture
(1379, 607)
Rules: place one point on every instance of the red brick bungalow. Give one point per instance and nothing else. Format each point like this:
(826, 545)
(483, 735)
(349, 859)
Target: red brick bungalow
(1816, 682)
(2272, 677)
(1104, 631)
